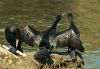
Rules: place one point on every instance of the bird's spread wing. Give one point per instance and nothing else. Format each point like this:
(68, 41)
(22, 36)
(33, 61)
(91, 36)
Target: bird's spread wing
(59, 39)
(76, 43)
(28, 35)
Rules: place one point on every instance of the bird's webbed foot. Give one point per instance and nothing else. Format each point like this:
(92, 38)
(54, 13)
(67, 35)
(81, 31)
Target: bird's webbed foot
(68, 51)
(73, 55)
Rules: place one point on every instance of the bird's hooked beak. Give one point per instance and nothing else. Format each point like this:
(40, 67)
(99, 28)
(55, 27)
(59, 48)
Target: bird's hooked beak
(17, 40)
(63, 14)
(69, 11)
(69, 14)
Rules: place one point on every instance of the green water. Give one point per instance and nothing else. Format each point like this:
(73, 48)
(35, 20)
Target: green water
(41, 13)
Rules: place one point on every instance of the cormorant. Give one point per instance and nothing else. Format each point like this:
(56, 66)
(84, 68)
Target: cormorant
(13, 36)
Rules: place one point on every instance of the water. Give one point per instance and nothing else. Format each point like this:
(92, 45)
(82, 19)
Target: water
(92, 60)
(41, 13)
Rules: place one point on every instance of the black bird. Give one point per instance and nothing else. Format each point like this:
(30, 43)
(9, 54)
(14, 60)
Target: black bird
(74, 42)
(13, 36)
(42, 55)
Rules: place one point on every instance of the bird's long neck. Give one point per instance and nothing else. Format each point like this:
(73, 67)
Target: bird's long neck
(72, 25)
(45, 41)
(53, 27)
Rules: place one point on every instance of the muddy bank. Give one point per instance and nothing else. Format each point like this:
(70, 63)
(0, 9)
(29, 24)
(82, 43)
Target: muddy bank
(11, 61)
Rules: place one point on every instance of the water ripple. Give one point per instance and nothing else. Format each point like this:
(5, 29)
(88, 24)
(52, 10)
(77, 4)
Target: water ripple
(2, 30)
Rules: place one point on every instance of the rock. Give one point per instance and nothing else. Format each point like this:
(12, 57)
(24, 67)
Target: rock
(10, 61)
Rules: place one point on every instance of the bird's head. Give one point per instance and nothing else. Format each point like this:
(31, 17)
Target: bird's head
(69, 14)
(59, 16)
